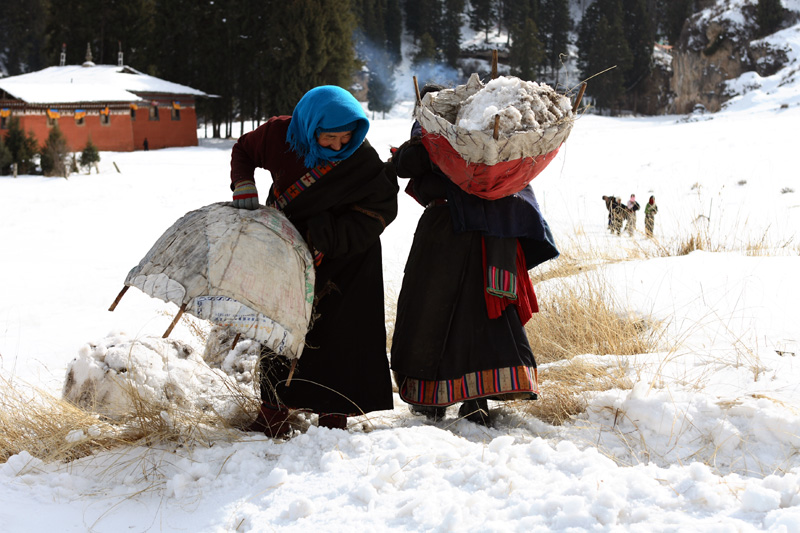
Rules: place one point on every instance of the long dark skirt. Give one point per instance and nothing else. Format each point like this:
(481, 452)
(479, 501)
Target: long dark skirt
(445, 347)
(344, 368)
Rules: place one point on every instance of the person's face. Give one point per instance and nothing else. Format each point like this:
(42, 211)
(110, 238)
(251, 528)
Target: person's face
(334, 139)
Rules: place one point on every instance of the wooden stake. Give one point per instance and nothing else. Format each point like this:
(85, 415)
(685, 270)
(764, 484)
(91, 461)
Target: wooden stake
(579, 98)
(174, 321)
(494, 64)
(496, 127)
(416, 90)
(291, 372)
(235, 340)
(119, 297)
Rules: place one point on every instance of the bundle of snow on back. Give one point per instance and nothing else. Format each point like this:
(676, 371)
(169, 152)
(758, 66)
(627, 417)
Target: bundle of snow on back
(250, 271)
(459, 132)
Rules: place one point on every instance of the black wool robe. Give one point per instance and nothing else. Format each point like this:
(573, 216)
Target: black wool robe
(445, 348)
(344, 367)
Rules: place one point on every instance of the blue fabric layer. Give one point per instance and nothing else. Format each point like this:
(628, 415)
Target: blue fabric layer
(517, 216)
(326, 107)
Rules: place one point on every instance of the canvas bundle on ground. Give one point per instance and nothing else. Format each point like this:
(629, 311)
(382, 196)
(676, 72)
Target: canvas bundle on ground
(458, 125)
(250, 271)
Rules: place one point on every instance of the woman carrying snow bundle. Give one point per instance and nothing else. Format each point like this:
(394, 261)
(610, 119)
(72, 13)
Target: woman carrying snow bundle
(459, 335)
(334, 188)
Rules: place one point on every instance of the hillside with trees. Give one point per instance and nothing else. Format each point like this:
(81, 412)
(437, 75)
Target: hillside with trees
(259, 56)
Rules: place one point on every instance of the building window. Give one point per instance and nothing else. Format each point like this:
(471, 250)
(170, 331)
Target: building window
(52, 116)
(153, 112)
(105, 119)
(3, 123)
(80, 121)
(176, 114)
(80, 117)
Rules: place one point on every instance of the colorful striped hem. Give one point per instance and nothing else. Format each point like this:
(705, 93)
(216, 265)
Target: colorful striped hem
(508, 380)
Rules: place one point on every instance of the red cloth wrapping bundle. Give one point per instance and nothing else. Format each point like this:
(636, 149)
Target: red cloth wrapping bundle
(485, 181)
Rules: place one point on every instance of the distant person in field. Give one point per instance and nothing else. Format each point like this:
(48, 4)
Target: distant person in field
(630, 215)
(466, 295)
(618, 214)
(146, 145)
(339, 194)
(650, 211)
(609, 204)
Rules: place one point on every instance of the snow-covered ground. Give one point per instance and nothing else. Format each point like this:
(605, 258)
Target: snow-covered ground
(706, 440)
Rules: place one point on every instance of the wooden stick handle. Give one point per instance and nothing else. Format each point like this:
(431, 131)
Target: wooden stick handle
(494, 64)
(416, 91)
(579, 98)
(291, 372)
(119, 297)
(235, 340)
(496, 133)
(174, 321)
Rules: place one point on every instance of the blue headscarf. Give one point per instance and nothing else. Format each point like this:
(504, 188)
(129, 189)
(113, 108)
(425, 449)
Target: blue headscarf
(326, 108)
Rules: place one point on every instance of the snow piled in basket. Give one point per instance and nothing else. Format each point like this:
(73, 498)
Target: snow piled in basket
(522, 106)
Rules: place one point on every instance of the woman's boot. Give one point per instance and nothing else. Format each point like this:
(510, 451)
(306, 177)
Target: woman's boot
(271, 422)
(476, 411)
(332, 421)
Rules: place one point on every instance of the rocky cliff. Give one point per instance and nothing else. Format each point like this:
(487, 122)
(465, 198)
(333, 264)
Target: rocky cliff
(717, 44)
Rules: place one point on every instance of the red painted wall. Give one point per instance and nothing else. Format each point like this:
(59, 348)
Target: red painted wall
(122, 133)
(164, 132)
(117, 136)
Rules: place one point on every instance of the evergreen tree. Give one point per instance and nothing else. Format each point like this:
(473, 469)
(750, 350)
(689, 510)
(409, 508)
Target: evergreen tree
(601, 45)
(90, 156)
(554, 30)
(423, 17)
(482, 16)
(526, 54)
(55, 153)
(394, 30)
(452, 21)
(22, 25)
(380, 96)
(317, 49)
(769, 16)
(5, 157)
(675, 14)
(641, 38)
(22, 147)
(104, 24)
(425, 60)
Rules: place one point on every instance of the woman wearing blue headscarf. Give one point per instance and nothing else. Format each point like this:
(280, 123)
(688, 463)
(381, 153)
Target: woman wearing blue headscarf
(334, 188)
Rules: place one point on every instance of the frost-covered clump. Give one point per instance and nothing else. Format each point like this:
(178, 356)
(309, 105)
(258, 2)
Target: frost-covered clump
(521, 105)
(117, 375)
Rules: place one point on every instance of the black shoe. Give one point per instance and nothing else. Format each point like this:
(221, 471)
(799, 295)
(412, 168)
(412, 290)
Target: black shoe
(431, 412)
(476, 411)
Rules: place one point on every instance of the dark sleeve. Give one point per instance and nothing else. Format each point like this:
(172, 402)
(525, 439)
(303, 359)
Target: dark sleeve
(256, 149)
(358, 223)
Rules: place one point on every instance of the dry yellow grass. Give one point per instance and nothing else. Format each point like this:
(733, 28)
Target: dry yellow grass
(53, 429)
(563, 390)
(578, 316)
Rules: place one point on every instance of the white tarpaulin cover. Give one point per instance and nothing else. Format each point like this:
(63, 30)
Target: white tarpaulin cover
(250, 271)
